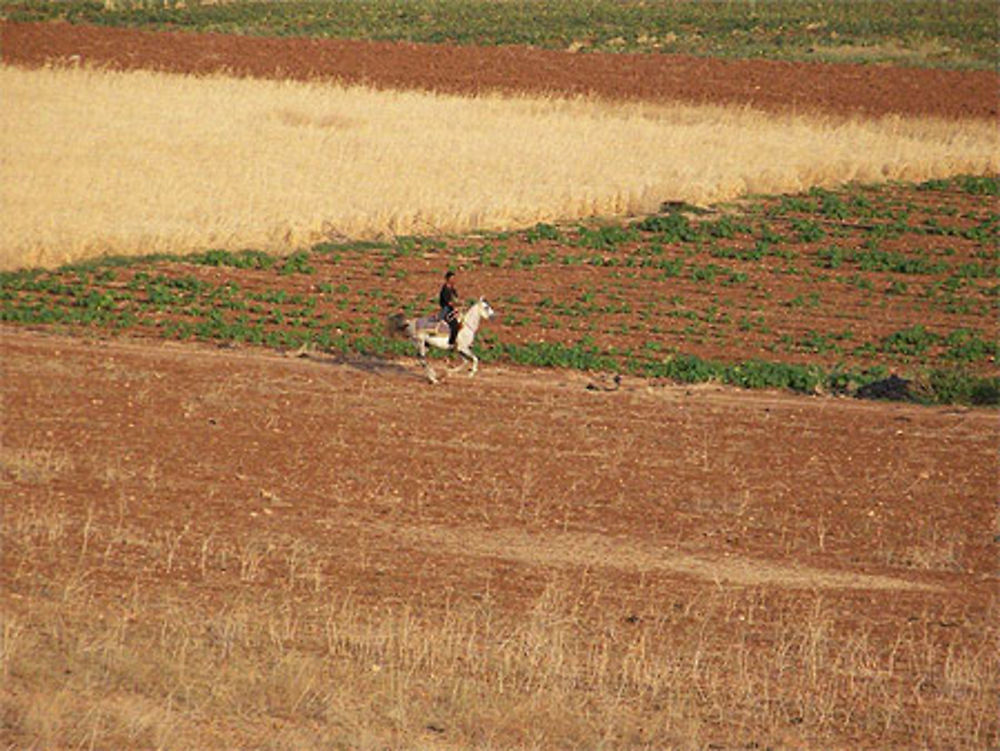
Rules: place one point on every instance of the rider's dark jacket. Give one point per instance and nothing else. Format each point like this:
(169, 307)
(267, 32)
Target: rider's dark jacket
(448, 298)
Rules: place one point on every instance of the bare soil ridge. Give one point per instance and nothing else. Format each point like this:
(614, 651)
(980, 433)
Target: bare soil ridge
(848, 89)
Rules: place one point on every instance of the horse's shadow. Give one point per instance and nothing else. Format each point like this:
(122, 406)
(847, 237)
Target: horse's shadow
(364, 363)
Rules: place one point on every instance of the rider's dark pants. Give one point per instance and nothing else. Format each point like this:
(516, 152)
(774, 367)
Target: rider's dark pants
(451, 316)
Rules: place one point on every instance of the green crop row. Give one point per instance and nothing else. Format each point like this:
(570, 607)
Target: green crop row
(834, 257)
(961, 344)
(936, 386)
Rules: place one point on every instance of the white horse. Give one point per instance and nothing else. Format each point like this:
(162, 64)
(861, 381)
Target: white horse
(432, 330)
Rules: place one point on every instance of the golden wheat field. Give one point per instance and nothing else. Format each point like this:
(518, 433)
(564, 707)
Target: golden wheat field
(128, 163)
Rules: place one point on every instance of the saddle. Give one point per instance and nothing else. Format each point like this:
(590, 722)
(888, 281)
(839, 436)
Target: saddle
(436, 325)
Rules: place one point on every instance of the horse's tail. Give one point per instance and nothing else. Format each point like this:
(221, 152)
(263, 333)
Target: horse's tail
(396, 324)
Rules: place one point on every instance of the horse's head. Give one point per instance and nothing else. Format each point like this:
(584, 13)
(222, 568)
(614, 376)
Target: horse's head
(487, 310)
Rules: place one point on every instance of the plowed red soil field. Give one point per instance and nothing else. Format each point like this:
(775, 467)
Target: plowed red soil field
(646, 497)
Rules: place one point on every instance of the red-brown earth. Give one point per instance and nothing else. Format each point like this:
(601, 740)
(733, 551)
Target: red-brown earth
(649, 494)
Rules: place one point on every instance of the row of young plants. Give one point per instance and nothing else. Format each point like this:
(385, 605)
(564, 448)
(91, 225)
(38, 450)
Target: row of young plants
(779, 229)
(938, 385)
(183, 306)
(277, 329)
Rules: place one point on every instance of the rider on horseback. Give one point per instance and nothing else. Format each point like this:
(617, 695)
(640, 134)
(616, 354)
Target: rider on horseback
(448, 300)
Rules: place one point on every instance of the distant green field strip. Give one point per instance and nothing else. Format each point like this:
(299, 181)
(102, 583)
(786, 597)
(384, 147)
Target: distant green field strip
(916, 32)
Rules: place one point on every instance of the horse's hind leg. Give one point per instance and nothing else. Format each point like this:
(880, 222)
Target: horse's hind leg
(422, 356)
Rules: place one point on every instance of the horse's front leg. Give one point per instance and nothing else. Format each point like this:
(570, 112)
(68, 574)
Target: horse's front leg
(464, 355)
(461, 362)
(470, 357)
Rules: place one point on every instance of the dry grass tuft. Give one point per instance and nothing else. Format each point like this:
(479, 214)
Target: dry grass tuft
(33, 464)
(141, 162)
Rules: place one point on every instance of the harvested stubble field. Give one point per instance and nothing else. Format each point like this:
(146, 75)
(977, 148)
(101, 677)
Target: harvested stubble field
(227, 547)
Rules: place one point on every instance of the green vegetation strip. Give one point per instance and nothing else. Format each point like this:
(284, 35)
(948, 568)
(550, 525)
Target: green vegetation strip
(938, 386)
(960, 33)
(629, 291)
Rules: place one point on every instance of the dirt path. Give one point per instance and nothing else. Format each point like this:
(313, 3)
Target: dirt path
(773, 85)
